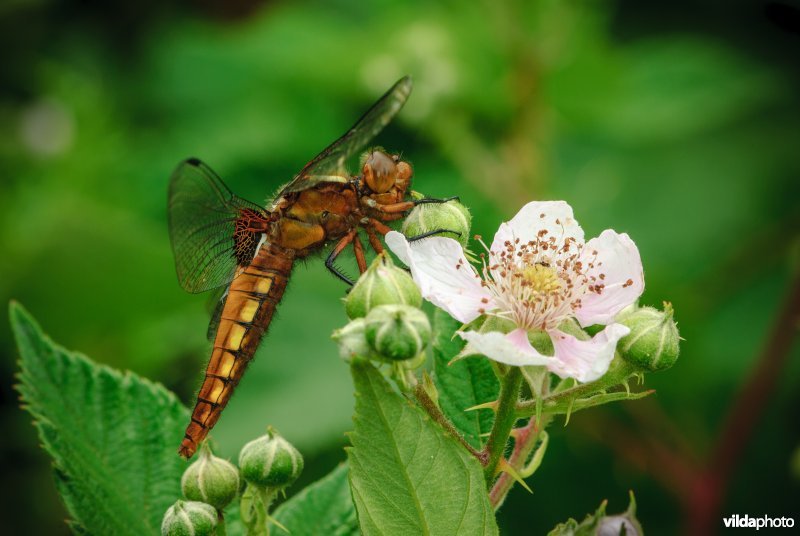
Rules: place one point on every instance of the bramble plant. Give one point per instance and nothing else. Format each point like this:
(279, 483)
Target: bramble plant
(451, 408)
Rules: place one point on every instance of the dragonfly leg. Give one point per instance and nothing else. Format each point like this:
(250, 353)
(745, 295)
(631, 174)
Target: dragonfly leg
(404, 206)
(358, 249)
(426, 200)
(426, 234)
(379, 226)
(337, 249)
(374, 241)
(395, 208)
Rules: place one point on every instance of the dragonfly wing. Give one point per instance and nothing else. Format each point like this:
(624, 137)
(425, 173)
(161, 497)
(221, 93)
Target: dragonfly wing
(329, 165)
(215, 305)
(202, 214)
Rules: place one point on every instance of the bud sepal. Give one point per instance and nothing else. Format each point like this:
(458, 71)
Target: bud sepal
(382, 284)
(653, 343)
(189, 518)
(210, 480)
(270, 461)
(352, 341)
(397, 332)
(602, 524)
(452, 217)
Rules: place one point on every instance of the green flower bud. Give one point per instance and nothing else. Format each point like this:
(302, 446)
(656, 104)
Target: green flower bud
(352, 340)
(383, 283)
(211, 480)
(452, 216)
(189, 518)
(270, 461)
(397, 332)
(653, 342)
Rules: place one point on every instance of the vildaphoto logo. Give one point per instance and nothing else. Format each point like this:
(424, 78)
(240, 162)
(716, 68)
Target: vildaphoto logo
(763, 522)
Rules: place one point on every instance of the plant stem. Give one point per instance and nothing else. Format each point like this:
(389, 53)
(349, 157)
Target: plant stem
(617, 373)
(504, 419)
(709, 489)
(525, 440)
(436, 414)
(221, 531)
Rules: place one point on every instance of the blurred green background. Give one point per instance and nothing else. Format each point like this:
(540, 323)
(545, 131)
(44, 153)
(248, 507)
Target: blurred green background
(677, 122)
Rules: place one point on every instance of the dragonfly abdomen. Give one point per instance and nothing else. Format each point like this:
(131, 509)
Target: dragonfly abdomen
(249, 306)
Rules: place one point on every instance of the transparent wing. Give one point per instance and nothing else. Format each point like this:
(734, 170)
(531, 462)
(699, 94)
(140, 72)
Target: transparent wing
(329, 165)
(202, 214)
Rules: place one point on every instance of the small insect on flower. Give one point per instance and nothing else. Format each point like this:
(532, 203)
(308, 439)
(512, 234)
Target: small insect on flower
(537, 273)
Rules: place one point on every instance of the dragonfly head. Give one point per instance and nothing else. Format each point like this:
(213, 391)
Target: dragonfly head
(382, 171)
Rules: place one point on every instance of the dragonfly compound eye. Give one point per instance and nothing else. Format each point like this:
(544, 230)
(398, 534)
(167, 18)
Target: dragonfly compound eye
(379, 172)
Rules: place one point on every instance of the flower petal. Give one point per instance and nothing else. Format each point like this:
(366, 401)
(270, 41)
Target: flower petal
(555, 217)
(613, 260)
(512, 348)
(585, 361)
(443, 275)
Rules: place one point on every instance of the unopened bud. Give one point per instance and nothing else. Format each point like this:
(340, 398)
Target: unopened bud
(653, 343)
(211, 480)
(616, 525)
(624, 523)
(397, 332)
(383, 283)
(270, 461)
(352, 340)
(451, 216)
(189, 518)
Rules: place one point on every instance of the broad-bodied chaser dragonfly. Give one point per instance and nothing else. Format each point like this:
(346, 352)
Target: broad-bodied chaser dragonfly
(221, 240)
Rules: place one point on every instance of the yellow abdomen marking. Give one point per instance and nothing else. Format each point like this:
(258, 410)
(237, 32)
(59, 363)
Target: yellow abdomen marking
(221, 363)
(216, 391)
(235, 336)
(248, 311)
(263, 285)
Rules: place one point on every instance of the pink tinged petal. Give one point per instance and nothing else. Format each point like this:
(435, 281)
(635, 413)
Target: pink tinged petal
(433, 263)
(585, 361)
(512, 348)
(555, 217)
(618, 267)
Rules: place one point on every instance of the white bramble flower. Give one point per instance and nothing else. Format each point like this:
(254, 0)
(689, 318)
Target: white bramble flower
(537, 273)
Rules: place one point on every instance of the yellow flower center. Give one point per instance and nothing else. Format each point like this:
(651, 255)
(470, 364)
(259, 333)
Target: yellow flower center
(541, 278)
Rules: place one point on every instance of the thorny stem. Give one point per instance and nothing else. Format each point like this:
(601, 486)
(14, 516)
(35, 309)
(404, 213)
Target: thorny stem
(504, 419)
(525, 440)
(436, 414)
(617, 373)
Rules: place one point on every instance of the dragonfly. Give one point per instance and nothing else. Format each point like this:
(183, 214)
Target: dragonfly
(221, 241)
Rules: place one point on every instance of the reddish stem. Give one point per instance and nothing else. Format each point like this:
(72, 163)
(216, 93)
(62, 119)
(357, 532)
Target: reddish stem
(708, 490)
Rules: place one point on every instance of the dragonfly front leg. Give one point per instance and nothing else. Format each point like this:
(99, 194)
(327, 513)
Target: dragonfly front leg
(428, 200)
(337, 249)
(376, 225)
(404, 206)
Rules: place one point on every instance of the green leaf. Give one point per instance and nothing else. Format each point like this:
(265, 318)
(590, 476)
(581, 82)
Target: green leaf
(463, 384)
(112, 436)
(324, 507)
(406, 474)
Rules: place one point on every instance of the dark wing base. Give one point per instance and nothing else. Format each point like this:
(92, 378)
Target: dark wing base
(203, 215)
